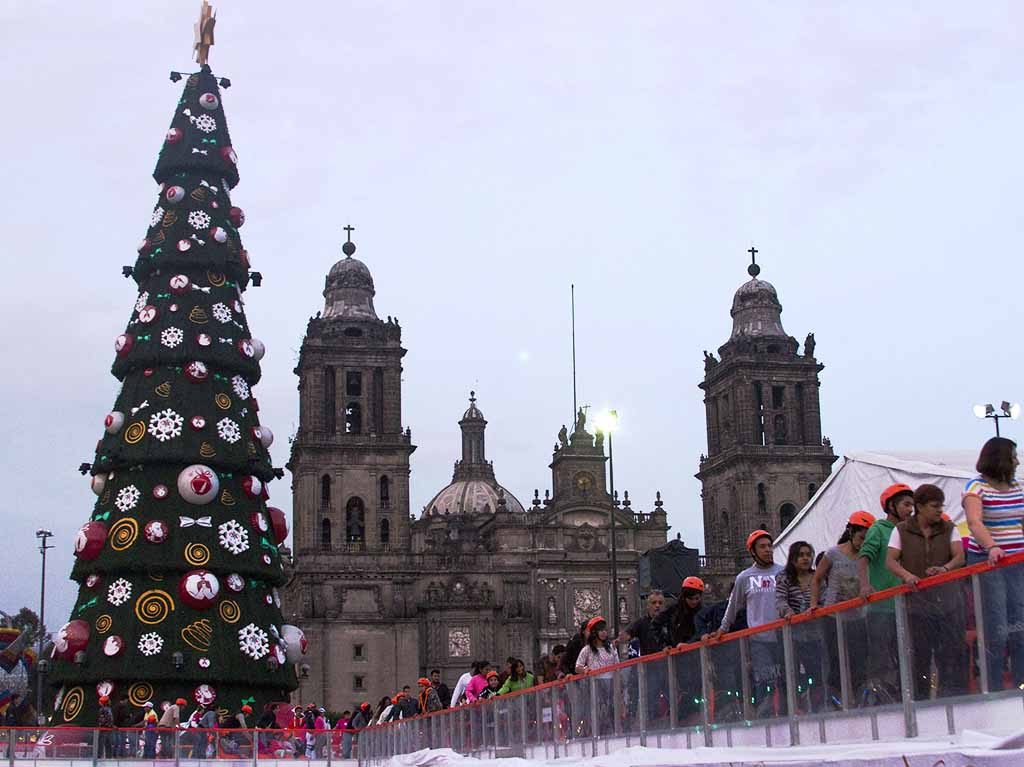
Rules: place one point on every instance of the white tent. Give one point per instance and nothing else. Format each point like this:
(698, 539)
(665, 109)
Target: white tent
(857, 483)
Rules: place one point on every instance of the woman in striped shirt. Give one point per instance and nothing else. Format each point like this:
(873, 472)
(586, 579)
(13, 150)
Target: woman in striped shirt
(994, 505)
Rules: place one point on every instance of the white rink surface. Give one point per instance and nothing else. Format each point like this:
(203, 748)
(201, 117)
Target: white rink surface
(970, 749)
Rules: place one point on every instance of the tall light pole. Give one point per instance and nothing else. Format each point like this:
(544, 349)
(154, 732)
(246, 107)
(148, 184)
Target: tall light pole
(608, 422)
(1008, 411)
(43, 536)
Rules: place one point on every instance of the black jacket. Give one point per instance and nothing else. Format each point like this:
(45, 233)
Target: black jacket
(572, 652)
(444, 694)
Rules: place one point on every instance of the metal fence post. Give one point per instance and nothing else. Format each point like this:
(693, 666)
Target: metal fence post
(906, 666)
(641, 703)
(12, 740)
(845, 695)
(255, 746)
(746, 670)
(789, 659)
(593, 714)
(618, 701)
(177, 748)
(555, 723)
(522, 720)
(95, 747)
(673, 691)
(980, 645)
(706, 691)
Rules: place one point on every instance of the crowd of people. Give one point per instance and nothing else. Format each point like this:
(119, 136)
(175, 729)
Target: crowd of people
(912, 539)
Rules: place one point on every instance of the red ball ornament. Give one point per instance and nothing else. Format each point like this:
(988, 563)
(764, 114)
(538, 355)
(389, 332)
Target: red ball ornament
(245, 348)
(199, 589)
(160, 492)
(198, 484)
(174, 194)
(204, 339)
(179, 284)
(237, 216)
(196, 371)
(147, 314)
(197, 422)
(219, 233)
(123, 344)
(148, 372)
(259, 521)
(235, 582)
(156, 531)
(204, 694)
(106, 687)
(71, 638)
(278, 523)
(113, 646)
(184, 245)
(113, 422)
(229, 155)
(174, 135)
(252, 486)
(92, 581)
(89, 540)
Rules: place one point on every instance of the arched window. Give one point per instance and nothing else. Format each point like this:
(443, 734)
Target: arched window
(325, 533)
(786, 514)
(385, 532)
(385, 493)
(779, 429)
(325, 491)
(353, 418)
(330, 419)
(355, 520)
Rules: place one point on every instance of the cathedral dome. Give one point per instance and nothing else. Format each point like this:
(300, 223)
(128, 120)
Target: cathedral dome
(349, 290)
(756, 311)
(472, 496)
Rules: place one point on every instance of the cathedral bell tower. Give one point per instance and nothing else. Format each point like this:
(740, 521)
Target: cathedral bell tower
(350, 457)
(766, 455)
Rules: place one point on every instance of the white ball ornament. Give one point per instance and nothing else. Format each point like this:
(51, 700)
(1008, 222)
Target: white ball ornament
(174, 194)
(198, 484)
(209, 101)
(113, 422)
(296, 640)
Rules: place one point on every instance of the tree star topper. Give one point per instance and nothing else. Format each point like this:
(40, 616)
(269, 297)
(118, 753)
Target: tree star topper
(204, 32)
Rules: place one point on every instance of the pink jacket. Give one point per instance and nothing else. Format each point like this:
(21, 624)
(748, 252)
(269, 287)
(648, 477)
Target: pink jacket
(476, 686)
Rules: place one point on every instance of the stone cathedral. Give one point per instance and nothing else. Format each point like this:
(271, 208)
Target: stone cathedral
(384, 592)
(766, 454)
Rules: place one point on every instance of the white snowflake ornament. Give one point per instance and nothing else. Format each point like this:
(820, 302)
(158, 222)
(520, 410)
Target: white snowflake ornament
(142, 300)
(228, 431)
(233, 537)
(165, 425)
(253, 641)
(240, 386)
(221, 312)
(158, 214)
(171, 337)
(151, 644)
(119, 592)
(127, 498)
(199, 219)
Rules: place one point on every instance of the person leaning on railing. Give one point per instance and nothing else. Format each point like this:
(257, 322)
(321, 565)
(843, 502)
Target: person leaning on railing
(994, 504)
(926, 545)
(792, 597)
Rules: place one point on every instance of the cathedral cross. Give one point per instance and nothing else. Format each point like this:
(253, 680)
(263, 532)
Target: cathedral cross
(348, 231)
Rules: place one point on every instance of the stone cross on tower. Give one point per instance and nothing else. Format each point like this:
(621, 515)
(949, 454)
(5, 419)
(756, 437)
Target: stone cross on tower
(753, 270)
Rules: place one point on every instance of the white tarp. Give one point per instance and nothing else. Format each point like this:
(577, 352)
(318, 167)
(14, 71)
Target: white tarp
(857, 483)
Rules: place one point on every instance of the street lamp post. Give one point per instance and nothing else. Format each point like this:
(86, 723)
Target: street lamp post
(1008, 411)
(607, 423)
(43, 536)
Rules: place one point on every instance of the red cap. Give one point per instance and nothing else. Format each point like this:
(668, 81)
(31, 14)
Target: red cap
(180, 702)
(594, 621)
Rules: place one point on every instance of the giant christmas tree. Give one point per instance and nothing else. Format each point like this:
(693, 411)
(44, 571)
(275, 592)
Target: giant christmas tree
(179, 566)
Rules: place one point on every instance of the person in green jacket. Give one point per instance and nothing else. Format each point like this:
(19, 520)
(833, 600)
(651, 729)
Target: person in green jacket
(519, 679)
(882, 662)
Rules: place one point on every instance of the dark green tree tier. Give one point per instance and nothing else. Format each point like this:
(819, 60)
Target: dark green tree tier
(179, 564)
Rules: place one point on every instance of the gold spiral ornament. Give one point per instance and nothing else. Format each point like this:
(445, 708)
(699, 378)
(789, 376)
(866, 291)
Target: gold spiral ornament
(216, 279)
(197, 554)
(198, 635)
(139, 693)
(72, 704)
(135, 432)
(198, 316)
(170, 219)
(226, 498)
(229, 610)
(223, 401)
(103, 624)
(153, 607)
(123, 534)
(198, 194)
(158, 237)
(206, 450)
(163, 390)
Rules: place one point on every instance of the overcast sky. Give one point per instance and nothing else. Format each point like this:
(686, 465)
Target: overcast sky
(491, 153)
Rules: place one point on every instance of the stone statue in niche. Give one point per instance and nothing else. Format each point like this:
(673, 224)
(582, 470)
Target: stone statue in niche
(552, 612)
(623, 611)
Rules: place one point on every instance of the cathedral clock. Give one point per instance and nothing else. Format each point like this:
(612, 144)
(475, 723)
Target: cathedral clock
(583, 483)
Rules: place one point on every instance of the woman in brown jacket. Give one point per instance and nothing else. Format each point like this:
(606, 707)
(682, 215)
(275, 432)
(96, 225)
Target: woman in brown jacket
(927, 544)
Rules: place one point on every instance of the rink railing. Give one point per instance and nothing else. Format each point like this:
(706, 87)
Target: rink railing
(855, 670)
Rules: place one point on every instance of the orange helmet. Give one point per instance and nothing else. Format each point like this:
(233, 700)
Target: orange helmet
(891, 492)
(492, 673)
(693, 582)
(594, 621)
(861, 519)
(364, 705)
(757, 535)
(423, 682)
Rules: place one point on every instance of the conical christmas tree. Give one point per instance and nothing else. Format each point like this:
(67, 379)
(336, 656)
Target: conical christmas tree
(179, 566)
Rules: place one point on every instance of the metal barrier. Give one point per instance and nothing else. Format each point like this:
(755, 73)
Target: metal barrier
(902, 662)
(19, 745)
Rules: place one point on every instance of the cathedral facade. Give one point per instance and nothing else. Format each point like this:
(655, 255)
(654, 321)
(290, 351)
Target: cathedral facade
(766, 453)
(384, 592)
